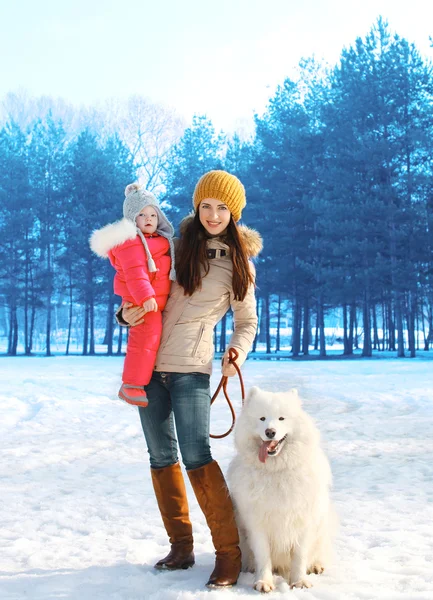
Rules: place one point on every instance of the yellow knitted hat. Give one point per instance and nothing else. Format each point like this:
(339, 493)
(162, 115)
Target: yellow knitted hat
(222, 186)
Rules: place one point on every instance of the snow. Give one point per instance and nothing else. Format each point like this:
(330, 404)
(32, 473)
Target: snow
(78, 519)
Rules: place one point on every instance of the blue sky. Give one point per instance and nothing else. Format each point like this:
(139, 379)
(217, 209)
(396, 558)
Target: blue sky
(223, 59)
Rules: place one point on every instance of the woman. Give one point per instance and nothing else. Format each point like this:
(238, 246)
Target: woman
(213, 273)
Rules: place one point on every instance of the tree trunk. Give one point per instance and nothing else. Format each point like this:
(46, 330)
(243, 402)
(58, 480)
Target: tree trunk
(119, 341)
(411, 311)
(426, 341)
(110, 323)
(391, 327)
(268, 324)
(15, 335)
(306, 329)
(366, 348)
(352, 316)
(346, 344)
(32, 324)
(262, 319)
(355, 324)
(321, 319)
(254, 348)
(376, 342)
(13, 332)
(278, 338)
(86, 329)
(10, 332)
(430, 325)
(399, 323)
(68, 342)
(48, 325)
(26, 302)
(316, 333)
(259, 318)
(48, 300)
(92, 325)
(223, 334)
(296, 333)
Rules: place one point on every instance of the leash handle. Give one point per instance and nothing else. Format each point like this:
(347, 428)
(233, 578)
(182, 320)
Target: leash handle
(233, 355)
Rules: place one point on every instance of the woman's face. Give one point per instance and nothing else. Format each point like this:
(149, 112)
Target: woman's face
(214, 215)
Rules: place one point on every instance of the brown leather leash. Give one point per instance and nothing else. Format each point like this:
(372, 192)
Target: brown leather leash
(233, 355)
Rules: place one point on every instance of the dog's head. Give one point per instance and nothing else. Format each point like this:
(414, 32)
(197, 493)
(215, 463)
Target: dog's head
(270, 423)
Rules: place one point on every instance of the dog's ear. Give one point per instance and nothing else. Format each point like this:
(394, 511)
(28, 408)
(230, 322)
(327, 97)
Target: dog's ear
(294, 396)
(252, 392)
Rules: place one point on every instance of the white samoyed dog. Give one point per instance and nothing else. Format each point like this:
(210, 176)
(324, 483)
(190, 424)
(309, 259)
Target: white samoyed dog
(279, 481)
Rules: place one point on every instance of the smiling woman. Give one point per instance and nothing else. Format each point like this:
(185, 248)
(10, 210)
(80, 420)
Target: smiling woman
(214, 216)
(213, 272)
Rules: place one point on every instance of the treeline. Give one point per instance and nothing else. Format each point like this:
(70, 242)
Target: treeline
(339, 183)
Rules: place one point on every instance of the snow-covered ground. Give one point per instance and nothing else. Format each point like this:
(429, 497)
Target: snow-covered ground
(78, 519)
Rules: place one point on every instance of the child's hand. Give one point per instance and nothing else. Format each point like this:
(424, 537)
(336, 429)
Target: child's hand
(150, 305)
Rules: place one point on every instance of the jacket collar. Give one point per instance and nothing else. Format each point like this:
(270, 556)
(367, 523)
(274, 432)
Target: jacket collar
(250, 237)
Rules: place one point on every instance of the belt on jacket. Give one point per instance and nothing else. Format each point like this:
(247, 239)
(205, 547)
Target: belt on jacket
(215, 253)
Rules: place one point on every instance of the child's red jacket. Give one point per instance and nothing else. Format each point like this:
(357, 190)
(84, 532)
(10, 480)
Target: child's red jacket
(134, 283)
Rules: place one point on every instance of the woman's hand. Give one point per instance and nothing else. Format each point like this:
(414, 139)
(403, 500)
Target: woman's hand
(132, 314)
(227, 369)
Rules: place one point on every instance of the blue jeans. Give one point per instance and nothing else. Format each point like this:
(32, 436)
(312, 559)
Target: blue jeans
(181, 399)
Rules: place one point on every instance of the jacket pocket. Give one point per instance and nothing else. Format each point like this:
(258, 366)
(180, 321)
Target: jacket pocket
(198, 340)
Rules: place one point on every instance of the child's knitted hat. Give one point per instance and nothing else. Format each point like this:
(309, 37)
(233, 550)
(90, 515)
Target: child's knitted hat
(136, 198)
(222, 186)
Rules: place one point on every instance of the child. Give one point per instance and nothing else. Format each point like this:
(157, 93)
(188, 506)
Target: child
(140, 248)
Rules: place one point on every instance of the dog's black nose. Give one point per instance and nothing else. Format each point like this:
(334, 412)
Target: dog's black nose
(270, 433)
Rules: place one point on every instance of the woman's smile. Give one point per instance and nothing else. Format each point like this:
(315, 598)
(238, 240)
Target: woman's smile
(214, 215)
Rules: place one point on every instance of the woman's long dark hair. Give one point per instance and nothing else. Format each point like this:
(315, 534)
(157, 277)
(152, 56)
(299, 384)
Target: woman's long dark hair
(192, 262)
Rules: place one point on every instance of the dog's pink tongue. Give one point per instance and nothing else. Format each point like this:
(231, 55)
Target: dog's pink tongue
(264, 449)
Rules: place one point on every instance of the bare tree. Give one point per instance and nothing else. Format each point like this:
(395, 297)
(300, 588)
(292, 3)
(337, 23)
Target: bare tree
(149, 130)
(23, 109)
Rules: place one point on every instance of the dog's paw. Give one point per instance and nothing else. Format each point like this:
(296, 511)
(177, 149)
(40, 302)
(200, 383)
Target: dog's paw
(302, 583)
(315, 568)
(264, 586)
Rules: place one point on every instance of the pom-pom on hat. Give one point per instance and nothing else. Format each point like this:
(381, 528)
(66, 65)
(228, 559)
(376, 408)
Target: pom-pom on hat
(136, 198)
(222, 186)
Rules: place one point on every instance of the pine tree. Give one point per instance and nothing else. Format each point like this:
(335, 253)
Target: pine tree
(46, 173)
(16, 230)
(198, 151)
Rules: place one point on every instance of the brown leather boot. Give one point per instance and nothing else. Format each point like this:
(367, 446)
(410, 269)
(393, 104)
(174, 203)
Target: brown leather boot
(172, 501)
(213, 497)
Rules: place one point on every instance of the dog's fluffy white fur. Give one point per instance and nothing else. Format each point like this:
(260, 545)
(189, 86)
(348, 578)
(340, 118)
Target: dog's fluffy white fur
(279, 480)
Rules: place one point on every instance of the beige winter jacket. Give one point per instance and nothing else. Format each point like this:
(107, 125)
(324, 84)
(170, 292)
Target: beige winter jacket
(189, 321)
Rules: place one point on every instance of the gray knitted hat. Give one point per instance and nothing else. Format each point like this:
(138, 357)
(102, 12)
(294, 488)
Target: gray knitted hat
(136, 198)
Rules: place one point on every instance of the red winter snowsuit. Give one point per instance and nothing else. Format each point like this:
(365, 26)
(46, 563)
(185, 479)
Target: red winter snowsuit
(136, 284)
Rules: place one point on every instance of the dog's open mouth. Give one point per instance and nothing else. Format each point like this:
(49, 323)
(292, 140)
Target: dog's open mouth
(270, 448)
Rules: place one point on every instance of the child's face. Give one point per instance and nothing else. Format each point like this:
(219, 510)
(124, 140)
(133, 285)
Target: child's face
(147, 220)
(214, 215)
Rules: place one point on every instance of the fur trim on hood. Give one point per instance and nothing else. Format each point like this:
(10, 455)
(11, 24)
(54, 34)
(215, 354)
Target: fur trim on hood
(252, 240)
(250, 237)
(112, 235)
(103, 240)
